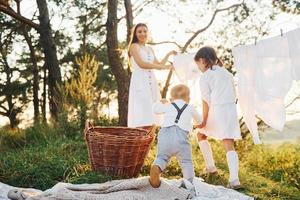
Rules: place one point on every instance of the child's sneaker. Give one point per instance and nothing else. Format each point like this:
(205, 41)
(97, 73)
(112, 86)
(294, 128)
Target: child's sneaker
(236, 185)
(189, 186)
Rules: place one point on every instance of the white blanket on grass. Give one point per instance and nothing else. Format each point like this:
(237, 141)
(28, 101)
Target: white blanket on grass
(129, 189)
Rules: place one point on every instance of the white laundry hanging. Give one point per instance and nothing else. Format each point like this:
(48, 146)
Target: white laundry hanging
(185, 67)
(265, 73)
(293, 38)
(188, 73)
(244, 59)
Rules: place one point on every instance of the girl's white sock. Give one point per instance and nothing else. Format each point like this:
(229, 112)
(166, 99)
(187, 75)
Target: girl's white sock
(207, 155)
(233, 165)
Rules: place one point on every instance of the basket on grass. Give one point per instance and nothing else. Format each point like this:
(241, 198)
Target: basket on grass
(118, 151)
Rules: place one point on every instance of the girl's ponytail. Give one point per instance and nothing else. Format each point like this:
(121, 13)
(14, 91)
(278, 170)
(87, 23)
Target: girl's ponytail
(219, 62)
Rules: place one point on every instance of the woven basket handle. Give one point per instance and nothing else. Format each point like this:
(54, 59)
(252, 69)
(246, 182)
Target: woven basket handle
(152, 130)
(88, 126)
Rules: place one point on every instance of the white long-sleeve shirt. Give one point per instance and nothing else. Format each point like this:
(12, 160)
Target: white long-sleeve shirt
(217, 86)
(170, 113)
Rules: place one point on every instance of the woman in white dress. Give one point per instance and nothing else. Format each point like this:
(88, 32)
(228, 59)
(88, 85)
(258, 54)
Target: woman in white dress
(143, 90)
(220, 120)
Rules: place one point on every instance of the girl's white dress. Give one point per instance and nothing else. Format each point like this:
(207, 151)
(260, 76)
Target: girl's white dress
(217, 89)
(143, 92)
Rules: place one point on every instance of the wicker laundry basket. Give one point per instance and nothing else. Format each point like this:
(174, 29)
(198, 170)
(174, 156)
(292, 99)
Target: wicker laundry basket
(118, 151)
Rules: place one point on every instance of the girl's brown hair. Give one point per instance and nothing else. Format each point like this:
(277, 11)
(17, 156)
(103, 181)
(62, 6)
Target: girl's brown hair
(133, 38)
(209, 55)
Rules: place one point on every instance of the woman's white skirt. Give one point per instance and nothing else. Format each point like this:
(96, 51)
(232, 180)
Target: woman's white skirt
(143, 93)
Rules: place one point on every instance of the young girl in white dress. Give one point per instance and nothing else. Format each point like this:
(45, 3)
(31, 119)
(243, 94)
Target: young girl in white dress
(220, 120)
(143, 90)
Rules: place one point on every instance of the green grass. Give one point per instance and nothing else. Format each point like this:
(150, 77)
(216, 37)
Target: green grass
(41, 156)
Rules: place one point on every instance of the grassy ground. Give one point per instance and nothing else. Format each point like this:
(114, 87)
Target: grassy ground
(40, 157)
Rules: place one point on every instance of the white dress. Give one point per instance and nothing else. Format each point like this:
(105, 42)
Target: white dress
(143, 92)
(217, 89)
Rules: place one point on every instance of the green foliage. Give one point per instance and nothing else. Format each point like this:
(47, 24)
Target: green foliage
(289, 6)
(80, 90)
(105, 121)
(67, 126)
(13, 84)
(281, 165)
(43, 165)
(11, 138)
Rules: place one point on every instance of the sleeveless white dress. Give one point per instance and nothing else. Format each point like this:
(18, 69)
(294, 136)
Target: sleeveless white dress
(143, 92)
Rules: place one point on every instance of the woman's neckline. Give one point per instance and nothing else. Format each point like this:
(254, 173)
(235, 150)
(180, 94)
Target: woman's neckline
(142, 45)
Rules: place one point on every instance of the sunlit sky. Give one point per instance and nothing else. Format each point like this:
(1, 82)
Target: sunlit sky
(175, 24)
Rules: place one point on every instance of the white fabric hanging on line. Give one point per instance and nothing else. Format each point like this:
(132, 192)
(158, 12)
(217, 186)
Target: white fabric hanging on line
(293, 38)
(188, 73)
(243, 58)
(265, 73)
(273, 79)
(185, 67)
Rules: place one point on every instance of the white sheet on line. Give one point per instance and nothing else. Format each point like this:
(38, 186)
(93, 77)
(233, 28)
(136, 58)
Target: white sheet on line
(185, 67)
(265, 73)
(293, 38)
(187, 73)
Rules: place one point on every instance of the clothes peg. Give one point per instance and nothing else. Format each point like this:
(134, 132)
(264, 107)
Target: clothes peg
(281, 32)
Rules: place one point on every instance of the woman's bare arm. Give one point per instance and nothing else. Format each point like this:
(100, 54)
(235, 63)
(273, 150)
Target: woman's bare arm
(145, 65)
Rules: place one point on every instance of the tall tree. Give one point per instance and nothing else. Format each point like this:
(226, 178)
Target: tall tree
(13, 86)
(49, 48)
(115, 61)
(129, 18)
(195, 34)
(35, 72)
(51, 61)
(91, 36)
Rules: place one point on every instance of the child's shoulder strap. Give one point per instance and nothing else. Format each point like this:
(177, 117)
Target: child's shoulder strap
(179, 110)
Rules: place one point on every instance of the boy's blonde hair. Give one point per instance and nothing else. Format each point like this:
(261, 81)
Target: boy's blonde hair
(180, 91)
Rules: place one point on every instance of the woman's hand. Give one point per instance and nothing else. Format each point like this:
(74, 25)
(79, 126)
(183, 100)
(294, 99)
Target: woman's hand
(202, 125)
(172, 53)
(165, 67)
(164, 101)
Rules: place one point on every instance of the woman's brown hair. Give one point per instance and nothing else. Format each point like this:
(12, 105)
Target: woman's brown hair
(209, 55)
(133, 38)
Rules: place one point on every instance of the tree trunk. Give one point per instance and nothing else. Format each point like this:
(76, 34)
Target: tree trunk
(51, 61)
(129, 18)
(35, 77)
(13, 118)
(44, 95)
(115, 61)
(11, 112)
(129, 24)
